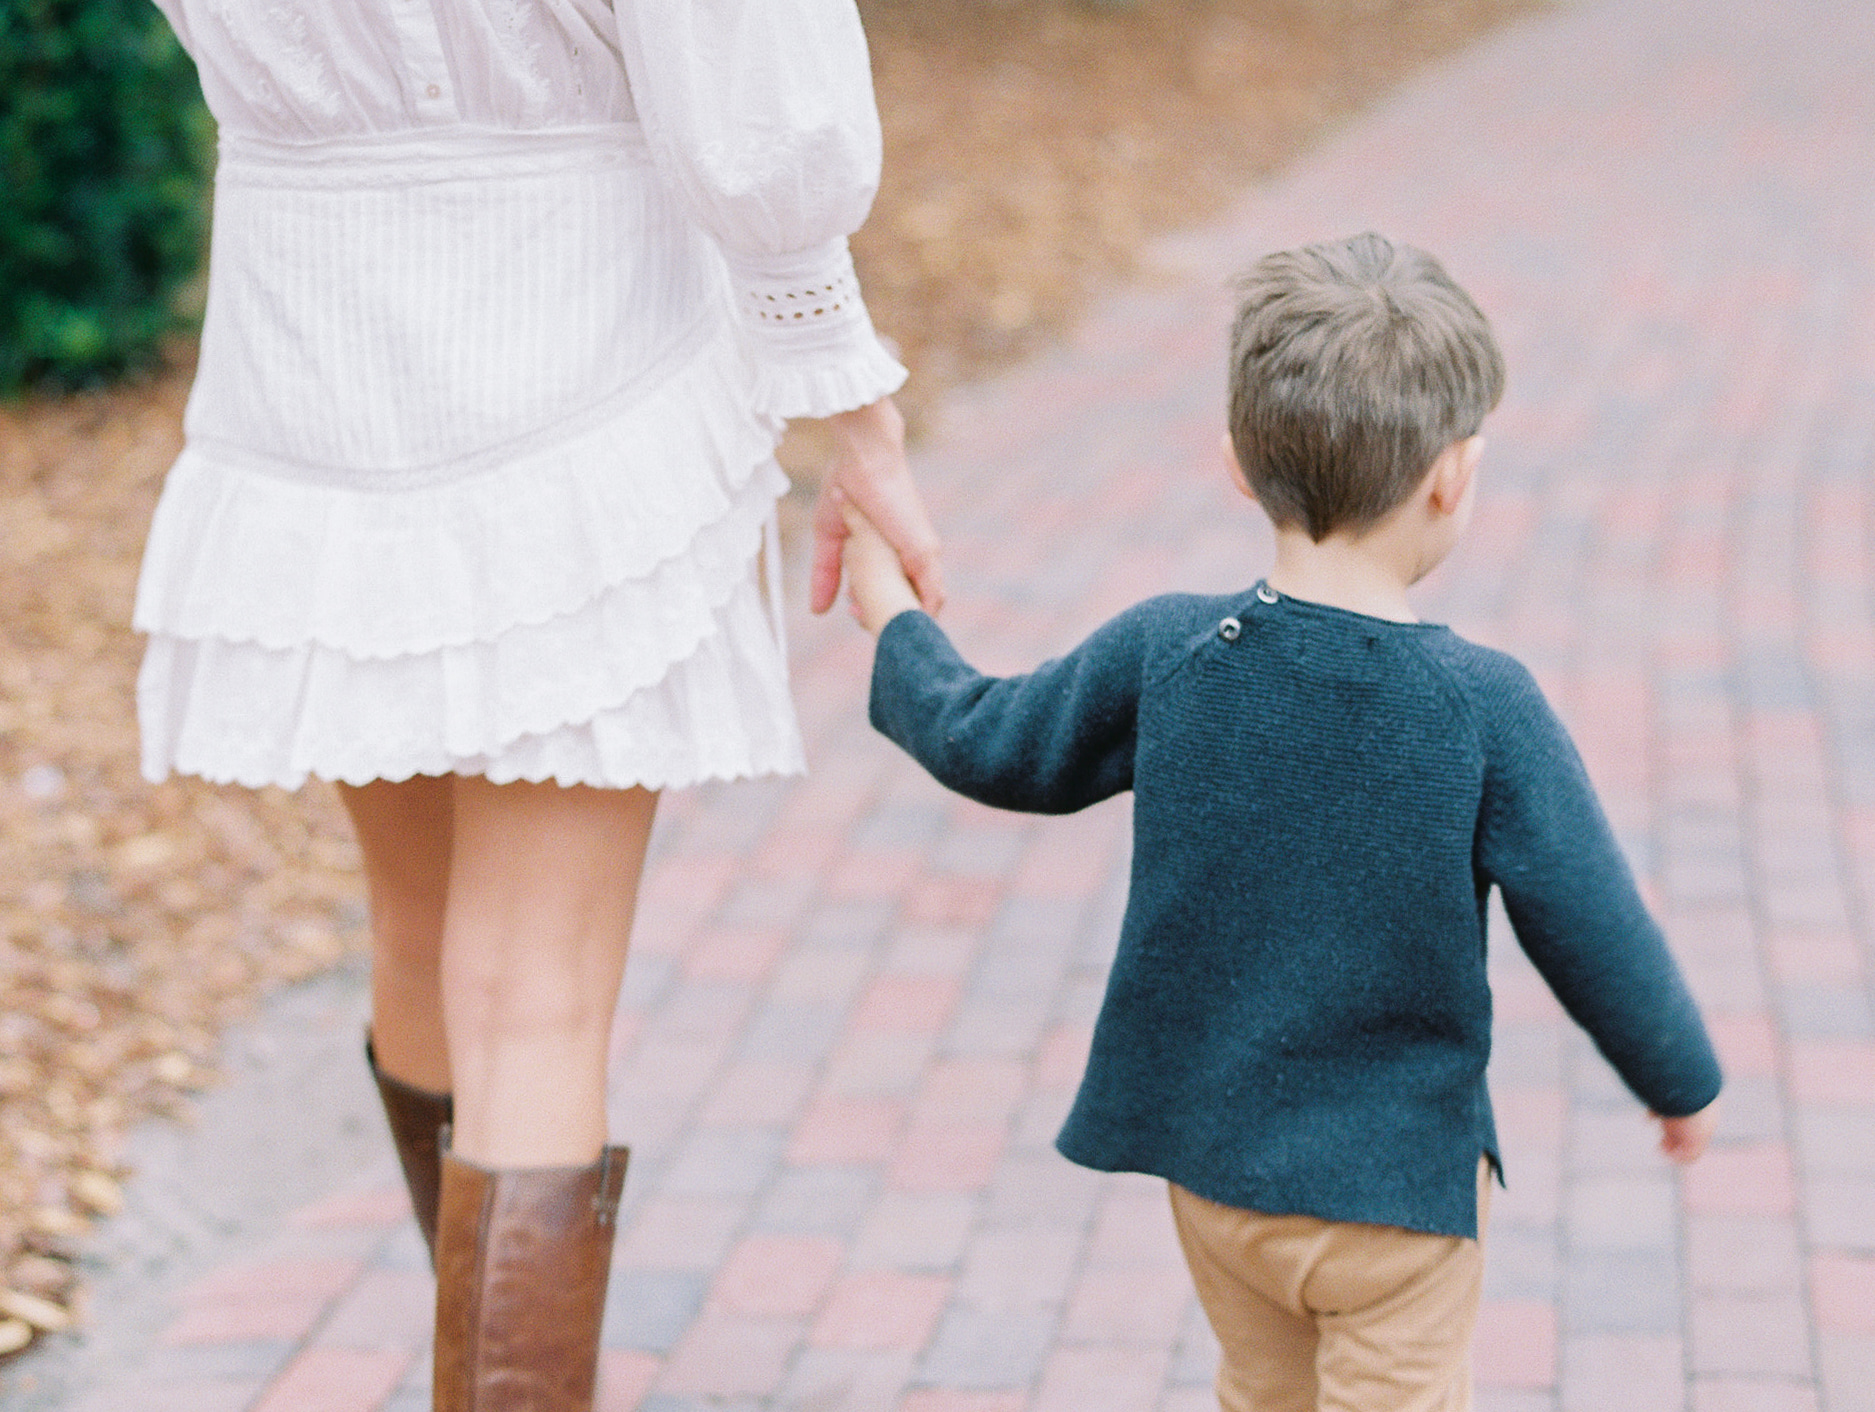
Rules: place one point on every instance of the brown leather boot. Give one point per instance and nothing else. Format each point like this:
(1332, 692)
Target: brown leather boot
(522, 1256)
(417, 1118)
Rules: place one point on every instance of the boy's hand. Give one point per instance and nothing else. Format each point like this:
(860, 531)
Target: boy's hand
(879, 588)
(1683, 1139)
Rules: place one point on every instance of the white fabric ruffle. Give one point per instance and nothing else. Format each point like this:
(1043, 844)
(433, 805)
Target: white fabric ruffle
(239, 554)
(722, 714)
(814, 346)
(788, 390)
(217, 709)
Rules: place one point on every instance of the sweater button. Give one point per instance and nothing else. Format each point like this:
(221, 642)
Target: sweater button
(1229, 629)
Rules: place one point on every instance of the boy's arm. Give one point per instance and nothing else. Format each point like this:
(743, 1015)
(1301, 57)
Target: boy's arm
(1050, 742)
(1544, 840)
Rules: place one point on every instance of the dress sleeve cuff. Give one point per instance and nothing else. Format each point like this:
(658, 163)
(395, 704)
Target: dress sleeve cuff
(809, 336)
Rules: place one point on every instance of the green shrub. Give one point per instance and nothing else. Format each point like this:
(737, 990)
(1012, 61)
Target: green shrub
(105, 154)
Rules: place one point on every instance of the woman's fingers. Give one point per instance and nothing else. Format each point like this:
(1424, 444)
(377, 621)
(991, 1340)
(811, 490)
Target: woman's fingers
(829, 542)
(893, 506)
(870, 470)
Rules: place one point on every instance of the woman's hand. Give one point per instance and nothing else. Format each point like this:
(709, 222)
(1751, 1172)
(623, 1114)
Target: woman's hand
(870, 473)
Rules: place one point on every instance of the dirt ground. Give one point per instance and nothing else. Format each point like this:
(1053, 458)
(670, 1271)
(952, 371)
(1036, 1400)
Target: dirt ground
(1032, 148)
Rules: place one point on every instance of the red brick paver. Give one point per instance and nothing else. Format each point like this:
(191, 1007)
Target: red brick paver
(857, 1006)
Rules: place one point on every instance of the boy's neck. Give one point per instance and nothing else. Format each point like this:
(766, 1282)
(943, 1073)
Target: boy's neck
(1360, 575)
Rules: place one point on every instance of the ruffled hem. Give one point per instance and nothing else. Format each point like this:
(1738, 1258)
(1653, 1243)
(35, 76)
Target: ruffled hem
(575, 701)
(862, 376)
(711, 719)
(280, 558)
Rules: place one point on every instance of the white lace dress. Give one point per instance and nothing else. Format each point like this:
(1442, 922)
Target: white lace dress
(507, 301)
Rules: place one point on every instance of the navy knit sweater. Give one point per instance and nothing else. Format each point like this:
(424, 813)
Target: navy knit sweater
(1298, 1018)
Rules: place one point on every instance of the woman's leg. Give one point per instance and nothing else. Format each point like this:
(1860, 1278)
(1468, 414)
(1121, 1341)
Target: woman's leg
(543, 881)
(529, 889)
(404, 832)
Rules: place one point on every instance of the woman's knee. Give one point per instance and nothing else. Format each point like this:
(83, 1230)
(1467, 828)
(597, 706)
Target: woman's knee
(489, 999)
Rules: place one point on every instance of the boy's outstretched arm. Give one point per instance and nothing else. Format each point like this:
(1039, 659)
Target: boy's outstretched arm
(1051, 741)
(1572, 900)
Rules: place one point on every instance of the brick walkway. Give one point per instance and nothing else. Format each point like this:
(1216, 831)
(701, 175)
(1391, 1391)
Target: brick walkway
(857, 1007)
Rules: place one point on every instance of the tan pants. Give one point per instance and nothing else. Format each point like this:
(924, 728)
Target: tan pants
(1331, 1316)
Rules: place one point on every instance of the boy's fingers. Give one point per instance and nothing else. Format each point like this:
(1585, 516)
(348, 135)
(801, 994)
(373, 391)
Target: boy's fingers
(1684, 1139)
(864, 543)
(867, 550)
(1670, 1141)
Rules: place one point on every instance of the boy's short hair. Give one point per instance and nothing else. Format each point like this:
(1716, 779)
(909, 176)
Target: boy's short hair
(1353, 364)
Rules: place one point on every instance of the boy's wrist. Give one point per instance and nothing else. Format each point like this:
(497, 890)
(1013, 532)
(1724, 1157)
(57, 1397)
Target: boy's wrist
(877, 613)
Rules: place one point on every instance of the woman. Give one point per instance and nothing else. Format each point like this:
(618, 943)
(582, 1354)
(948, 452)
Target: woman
(475, 516)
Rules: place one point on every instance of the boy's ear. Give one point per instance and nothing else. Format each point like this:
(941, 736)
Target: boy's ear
(1234, 467)
(1453, 474)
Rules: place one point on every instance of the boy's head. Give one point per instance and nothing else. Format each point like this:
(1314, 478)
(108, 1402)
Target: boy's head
(1353, 364)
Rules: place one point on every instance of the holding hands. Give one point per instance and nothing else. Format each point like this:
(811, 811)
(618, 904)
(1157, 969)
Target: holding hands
(869, 474)
(875, 580)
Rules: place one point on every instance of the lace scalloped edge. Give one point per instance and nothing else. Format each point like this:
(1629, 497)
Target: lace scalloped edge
(786, 764)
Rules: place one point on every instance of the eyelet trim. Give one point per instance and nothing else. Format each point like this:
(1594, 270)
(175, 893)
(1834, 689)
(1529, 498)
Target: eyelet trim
(806, 303)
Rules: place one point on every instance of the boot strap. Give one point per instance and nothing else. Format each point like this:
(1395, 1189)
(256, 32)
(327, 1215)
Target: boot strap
(612, 1164)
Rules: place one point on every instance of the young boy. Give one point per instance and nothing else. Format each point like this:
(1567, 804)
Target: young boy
(1325, 790)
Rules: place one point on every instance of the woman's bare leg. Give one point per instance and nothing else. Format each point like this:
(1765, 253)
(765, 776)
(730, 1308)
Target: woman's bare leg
(404, 832)
(542, 885)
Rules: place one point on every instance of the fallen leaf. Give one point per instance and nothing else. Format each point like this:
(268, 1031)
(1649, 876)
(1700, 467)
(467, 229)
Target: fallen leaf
(98, 1191)
(15, 1334)
(40, 1313)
